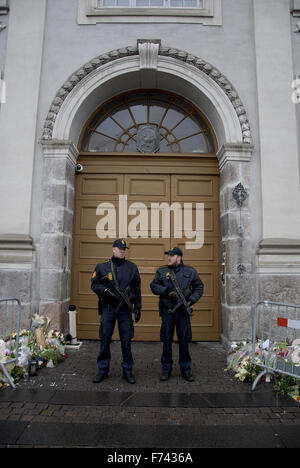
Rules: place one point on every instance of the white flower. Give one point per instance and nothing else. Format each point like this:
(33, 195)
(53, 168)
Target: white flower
(2, 351)
(54, 342)
(23, 355)
(295, 355)
(266, 344)
(38, 321)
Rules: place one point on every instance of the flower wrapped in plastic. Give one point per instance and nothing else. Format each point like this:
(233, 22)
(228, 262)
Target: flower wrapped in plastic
(2, 351)
(38, 321)
(46, 346)
(238, 352)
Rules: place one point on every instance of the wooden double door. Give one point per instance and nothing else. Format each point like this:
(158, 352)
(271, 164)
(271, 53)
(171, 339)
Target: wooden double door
(133, 191)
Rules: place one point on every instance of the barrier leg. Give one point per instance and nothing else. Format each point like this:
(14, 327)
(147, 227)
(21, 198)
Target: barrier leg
(9, 377)
(265, 372)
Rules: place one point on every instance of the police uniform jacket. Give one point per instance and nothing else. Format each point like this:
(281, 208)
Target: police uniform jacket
(128, 278)
(188, 281)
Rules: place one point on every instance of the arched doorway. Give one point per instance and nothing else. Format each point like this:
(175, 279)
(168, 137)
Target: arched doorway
(95, 83)
(149, 157)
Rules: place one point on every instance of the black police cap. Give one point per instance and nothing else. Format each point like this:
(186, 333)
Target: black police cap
(174, 251)
(121, 243)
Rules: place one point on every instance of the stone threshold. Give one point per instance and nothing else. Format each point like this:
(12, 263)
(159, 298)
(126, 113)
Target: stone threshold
(264, 399)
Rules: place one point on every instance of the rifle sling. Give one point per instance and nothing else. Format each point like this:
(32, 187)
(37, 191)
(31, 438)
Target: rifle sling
(116, 281)
(175, 279)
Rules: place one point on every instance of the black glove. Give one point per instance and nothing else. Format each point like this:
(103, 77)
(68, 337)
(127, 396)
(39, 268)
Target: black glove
(137, 314)
(173, 296)
(168, 290)
(110, 297)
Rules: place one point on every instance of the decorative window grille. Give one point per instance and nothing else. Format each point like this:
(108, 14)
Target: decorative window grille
(117, 125)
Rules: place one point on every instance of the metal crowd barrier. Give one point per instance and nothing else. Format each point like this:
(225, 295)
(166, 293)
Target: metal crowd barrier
(10, 316)
(276, 339)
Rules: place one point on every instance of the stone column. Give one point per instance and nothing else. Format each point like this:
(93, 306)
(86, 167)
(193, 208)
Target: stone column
(56, 230)
(237, 271)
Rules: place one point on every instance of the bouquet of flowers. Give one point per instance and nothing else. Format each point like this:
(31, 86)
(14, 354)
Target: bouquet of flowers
(273, 355)
(46, 346)
(239, 360)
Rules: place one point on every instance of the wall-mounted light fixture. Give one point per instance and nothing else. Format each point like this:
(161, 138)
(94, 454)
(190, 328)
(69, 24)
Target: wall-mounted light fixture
(239, 194)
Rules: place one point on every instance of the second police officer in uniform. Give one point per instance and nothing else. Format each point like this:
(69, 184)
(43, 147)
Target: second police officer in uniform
(178, 287)
(118, 286)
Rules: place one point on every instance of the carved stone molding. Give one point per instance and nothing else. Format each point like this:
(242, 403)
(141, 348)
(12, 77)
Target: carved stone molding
(235, 153)
(278, 256)
(148, 61)
(148, 51)
(4, 7)
(16, 248)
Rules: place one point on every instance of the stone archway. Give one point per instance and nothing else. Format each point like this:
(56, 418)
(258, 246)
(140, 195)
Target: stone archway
(101, 68)
(119, 71)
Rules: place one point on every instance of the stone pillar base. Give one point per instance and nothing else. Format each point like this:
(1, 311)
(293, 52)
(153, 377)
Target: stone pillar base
(57, 312)
(278, 270)
(17, 257)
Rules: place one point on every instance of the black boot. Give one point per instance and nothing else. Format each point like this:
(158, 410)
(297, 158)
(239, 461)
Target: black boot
(100, 376)
(187, 375)
(127, 375)
(165, 375)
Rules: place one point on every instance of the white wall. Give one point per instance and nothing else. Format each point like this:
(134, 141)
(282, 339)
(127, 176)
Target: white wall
(18, 116)
(277, 122)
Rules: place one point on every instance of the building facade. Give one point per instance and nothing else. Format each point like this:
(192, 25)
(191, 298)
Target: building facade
(166, 122)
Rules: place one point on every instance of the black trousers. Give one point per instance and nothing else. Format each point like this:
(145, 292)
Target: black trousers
(180, 321)
(109, 318)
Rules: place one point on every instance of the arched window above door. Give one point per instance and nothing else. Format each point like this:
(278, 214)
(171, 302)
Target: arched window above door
(147, 122)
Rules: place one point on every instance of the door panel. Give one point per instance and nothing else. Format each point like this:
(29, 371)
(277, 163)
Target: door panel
(147, 251)
(202, 189)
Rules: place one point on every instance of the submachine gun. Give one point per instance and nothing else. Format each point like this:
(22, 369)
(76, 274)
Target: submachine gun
(121, 295)
(181, 299)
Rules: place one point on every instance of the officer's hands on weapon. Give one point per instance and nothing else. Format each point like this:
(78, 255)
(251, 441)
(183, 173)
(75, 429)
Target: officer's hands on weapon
(180, 300)
(110, 296)
(113, 299)
(172, 294)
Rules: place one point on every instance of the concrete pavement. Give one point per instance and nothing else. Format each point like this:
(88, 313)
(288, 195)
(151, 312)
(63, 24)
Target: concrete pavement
(61, 407)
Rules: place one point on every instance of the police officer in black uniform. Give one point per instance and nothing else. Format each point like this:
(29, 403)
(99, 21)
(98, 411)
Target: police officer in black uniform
(118, 287)
(187, 279)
